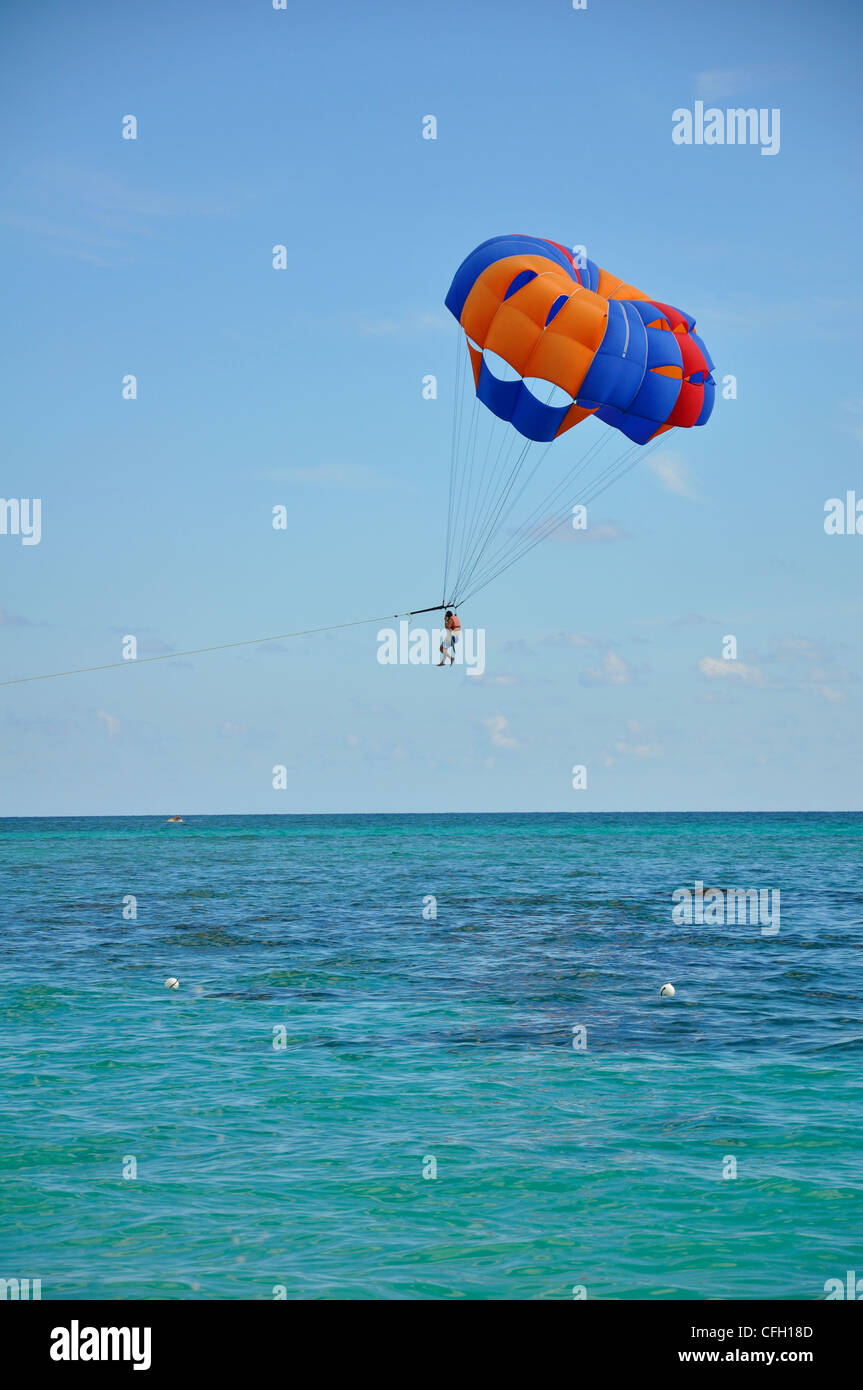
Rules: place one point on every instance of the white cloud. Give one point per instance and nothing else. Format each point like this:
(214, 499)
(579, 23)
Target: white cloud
(410, 323)
(834, 696)
(612, 670)
(648, 748)
(98, 219)
(794, 648)
(601, 531)
(689, 620)
(715, 668)
(718, 84)
(672, 472)
(639, 750)
(112, 724)
(497, 726)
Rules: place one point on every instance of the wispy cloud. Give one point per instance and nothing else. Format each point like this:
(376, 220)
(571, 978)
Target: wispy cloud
(81, 243)
(716, 669)
(406, 326)
(353, 476)
(639, 742)
(689, 620)
(498, 726)
(682, 620)
(794, 663)
(574, 639)
(88, 215)
(600, 533)
(792, 648)
(828, 692)
(628, 748)
(673, 473)
(824, 673)
(854, 423)
(112, 724)
(721, 84)
(824, 316)
(612, 670)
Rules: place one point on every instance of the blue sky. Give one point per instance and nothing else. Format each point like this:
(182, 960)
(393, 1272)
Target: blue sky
(302, 387)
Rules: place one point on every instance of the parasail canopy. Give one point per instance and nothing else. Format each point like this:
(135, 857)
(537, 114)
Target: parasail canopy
(553, 339)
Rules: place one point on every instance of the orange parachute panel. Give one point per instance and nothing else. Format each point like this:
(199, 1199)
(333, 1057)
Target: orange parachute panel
(489, 291)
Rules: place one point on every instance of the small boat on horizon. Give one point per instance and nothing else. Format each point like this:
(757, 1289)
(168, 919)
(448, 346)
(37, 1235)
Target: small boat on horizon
(175, 820)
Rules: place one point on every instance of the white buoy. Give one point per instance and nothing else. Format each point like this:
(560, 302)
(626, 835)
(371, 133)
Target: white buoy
(172, 982)
(667, 992)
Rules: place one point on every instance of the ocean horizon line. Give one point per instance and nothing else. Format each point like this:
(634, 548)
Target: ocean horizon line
(371, 815)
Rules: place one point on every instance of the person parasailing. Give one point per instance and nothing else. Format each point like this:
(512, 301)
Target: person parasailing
(451, 635)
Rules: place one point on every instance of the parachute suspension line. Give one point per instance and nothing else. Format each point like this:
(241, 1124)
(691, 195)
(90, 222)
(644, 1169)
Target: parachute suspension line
(484, 534)
(479, 543)
(550, 500)
(618, 466)
(621, 465)
(501, 463)
(611, 474)
(552, 524)
(463, 468)
(456, 417)
(508, 438)
(462, 428)
(482, 542)
(540, 533)
(474, 512)
(465, 481)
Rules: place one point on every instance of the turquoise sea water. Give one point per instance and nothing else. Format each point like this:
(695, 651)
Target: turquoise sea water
(408, 1039)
